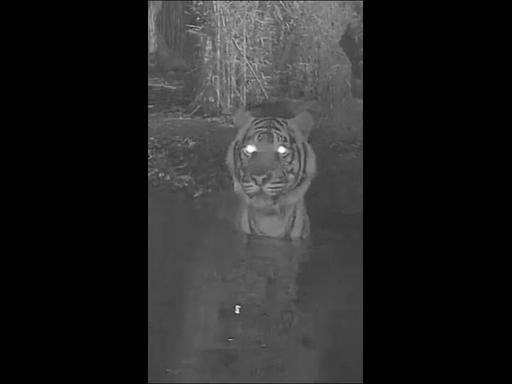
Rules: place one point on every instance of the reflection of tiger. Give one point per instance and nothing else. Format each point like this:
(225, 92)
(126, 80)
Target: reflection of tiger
(272, 166)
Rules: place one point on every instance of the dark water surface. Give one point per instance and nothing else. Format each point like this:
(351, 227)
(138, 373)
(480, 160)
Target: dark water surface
(300, 304)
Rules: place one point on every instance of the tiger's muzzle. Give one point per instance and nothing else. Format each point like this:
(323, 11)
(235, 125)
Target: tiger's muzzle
(265, 176)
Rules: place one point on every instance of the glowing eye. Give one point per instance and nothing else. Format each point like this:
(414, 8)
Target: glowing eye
(282, 150)
(249, 148)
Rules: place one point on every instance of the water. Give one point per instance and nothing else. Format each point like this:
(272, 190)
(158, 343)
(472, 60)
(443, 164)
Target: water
(299, 304)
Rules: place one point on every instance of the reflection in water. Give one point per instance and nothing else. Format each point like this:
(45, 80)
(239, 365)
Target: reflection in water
(251, 311)
(254, 344)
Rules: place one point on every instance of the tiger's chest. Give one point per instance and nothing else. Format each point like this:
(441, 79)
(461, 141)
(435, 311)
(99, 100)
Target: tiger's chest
(273, 222)
(268, 225)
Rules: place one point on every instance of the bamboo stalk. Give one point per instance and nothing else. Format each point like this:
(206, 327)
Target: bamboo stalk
(251, 68)
(217, 88)
(244, 90)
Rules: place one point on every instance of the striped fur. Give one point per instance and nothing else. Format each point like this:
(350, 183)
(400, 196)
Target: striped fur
(272, 166)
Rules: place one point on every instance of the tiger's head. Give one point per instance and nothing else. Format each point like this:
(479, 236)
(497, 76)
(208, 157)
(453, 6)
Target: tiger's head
(270, 157)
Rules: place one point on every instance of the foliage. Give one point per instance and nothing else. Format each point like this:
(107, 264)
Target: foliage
(255, 50)
(191, 164)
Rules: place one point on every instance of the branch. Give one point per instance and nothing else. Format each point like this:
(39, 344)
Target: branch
(251, 68)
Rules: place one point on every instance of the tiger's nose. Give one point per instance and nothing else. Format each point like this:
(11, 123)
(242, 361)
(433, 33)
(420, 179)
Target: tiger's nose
(261, 179)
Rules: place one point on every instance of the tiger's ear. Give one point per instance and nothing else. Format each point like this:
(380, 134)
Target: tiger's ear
(242, 118)
(304, 122)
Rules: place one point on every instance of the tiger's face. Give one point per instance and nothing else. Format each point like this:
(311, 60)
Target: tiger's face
(270, 156)
(266, 164)
(272, 166)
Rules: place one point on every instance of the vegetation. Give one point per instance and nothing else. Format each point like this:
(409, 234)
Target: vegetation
(222, 55)
(256, 50)
(244, 52)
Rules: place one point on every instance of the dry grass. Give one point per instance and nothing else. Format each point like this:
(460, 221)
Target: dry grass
(251, 51)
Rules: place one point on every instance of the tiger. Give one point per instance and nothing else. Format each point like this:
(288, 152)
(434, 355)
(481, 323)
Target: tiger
(272, 165)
